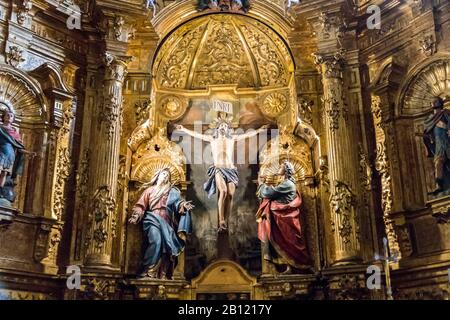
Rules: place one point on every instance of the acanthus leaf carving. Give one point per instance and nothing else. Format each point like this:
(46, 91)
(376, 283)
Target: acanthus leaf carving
(63, 168)
(14, 56)
(342, 203)
(428, 45)
(101, 219)
(23, 11)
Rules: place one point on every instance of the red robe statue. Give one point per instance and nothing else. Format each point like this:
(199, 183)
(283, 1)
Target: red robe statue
(279, 226)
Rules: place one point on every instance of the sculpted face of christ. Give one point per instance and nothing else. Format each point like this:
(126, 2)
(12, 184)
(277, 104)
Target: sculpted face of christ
(222, 175)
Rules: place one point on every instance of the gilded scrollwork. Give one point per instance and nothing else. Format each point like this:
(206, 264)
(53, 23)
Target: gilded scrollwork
(271, 67)
(62, 174)
(173, 70)
(14, 56)
(333, 110)
(383, 169)
(110, 113)
(82, 177)
(365, 170)
(342, 203)
(223, 58)
(157, 153)
(223, 50)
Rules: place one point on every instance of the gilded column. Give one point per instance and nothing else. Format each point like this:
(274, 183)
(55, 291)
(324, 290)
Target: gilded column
(102, 211)
(342, 160)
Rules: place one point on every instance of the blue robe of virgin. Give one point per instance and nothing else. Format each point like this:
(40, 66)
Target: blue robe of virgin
(164, 241)
(10, 161)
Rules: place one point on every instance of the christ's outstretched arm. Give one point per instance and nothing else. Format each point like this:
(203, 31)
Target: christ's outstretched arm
(251, 133)
(194, 134)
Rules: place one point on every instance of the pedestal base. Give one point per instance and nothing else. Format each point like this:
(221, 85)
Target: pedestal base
(156, 289)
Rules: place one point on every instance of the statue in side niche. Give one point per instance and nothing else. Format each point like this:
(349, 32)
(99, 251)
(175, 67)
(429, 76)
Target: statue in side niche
(12, 152)
(436, 138)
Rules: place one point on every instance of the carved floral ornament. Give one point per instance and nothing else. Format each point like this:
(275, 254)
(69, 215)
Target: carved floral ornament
(274, 104)
(101, 214)
(342, 203)
(173, 107)
(14, 56)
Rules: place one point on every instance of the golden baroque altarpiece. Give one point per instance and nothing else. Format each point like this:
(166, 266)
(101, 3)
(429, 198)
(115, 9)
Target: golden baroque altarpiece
(97, 106)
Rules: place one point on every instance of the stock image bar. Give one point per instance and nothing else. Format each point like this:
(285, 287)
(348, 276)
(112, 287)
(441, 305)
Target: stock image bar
(224, 157)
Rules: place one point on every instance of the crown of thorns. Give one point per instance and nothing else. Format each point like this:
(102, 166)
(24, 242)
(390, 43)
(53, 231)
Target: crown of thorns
(218, 121)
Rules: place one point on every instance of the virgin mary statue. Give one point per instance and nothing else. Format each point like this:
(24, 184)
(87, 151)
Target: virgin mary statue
(12, 153)
(166, 220)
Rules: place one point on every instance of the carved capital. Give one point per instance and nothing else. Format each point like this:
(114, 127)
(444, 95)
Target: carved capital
(116, 67)
(330, 65)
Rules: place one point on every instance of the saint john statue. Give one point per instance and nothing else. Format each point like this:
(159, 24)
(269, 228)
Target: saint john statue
(279, 227)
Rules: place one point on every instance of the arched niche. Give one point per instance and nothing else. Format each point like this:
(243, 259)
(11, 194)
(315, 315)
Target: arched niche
(234, 58)
(44, 108)
(424, 83)
(22, 95)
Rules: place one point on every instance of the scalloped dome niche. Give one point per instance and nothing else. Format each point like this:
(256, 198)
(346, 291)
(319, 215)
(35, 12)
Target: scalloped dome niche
(223, 49)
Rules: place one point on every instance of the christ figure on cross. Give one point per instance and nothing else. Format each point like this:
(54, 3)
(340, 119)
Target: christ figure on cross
(222, 175)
